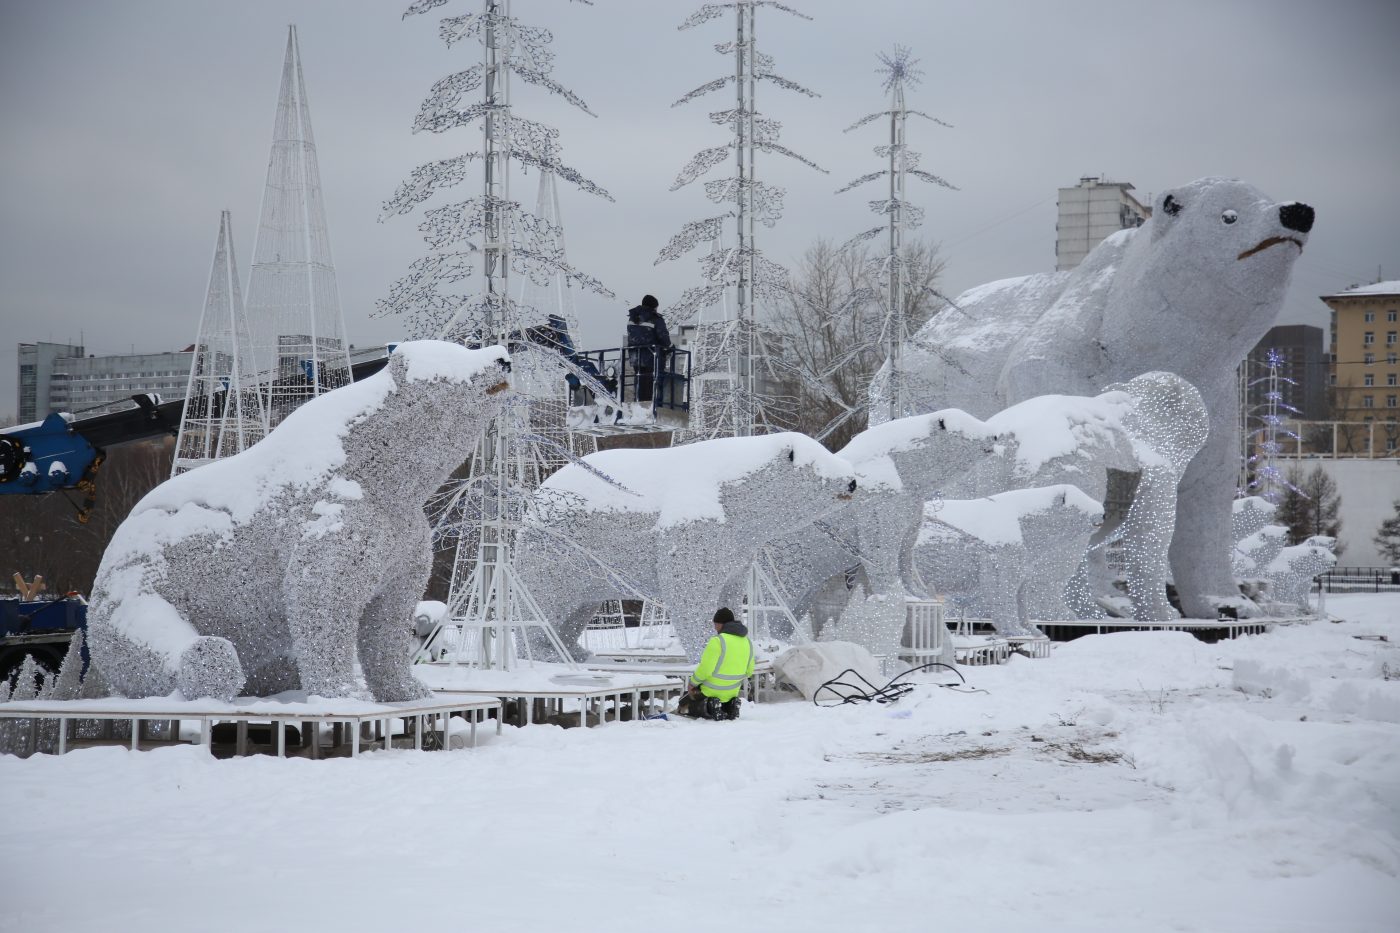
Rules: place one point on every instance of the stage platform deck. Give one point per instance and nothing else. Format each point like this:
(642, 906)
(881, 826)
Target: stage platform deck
(375, 722)
(543, 692)
(1207, 630)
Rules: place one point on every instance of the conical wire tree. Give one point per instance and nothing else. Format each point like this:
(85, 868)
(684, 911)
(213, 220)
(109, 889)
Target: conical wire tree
(890, 270)
(223, 412)
(436, 300)
(293, 301)
(732, 371)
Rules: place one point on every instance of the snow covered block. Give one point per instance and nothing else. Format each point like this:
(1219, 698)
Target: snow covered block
(680, 525)
(271, 570)
(809, 666)
(994, 548)
(1190, 292)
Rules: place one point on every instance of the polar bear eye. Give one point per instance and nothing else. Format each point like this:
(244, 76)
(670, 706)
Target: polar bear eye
(1229, 217)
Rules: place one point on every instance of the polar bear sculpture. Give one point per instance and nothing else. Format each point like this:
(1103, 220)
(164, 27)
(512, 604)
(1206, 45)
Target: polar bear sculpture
(673, 524)
(267, 571)
(997, 546)
(1152, 424)
(1189, 292)
(1291, 573)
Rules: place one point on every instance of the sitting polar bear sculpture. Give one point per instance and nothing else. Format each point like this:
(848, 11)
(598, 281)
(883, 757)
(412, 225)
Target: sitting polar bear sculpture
(672, 524)
(266, 571)
(1190, 292)
(996, 547)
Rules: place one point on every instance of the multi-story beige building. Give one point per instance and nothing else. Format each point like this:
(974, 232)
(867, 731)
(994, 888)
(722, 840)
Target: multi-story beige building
(1364, 368)
(1090, 212)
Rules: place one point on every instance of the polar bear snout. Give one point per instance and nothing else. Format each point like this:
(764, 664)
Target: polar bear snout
(1296, 216)
(850, 491)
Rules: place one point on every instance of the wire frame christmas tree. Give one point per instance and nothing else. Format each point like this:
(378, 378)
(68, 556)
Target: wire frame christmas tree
(1268, 480)
(732, 374)
(493, 617)
(891, 271)
(223, 412)
(293, 302)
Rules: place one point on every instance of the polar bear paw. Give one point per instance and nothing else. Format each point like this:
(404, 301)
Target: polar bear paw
(209, 667)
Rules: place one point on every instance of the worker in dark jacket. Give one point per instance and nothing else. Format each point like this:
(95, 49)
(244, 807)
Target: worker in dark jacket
(647, 340)
(725, 664)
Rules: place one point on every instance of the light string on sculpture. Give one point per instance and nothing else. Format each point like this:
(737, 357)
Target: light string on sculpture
(735, 345)
(1268, 480)
(432, 297)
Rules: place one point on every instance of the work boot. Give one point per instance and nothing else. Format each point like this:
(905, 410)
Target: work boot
(714, 709)
(731, 708)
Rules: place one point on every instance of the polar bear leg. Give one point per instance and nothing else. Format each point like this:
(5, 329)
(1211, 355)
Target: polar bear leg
(323, 619)
(691, 598)
(1148, 532)
(1200, 548)
(384, 642)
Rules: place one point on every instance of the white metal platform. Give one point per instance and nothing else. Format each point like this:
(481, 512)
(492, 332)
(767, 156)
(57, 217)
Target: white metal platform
(375, 721)
(545, 691)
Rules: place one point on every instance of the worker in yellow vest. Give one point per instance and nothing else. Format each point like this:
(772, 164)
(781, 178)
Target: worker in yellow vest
(725, 664)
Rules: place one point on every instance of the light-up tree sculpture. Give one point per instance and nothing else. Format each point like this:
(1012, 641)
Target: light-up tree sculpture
(435, 296)
(1268, 480)
(891, 270)
(730, 353)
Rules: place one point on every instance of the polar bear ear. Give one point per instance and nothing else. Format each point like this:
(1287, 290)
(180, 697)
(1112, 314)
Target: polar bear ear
(398, 368)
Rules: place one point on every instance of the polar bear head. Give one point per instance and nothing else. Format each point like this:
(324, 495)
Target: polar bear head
(1203, 279)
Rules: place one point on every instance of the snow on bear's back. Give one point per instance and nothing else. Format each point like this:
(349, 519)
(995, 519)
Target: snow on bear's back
(684, 484)
(304, 451)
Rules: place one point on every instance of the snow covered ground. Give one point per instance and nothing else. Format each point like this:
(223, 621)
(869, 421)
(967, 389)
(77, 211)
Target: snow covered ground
(1132, 782)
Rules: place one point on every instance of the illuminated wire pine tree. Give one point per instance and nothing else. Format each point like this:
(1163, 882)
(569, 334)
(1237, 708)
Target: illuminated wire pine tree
(890, 272)
(223, 412)
(293, 301)
(488, 605)
(732, 363)
(1267, 479)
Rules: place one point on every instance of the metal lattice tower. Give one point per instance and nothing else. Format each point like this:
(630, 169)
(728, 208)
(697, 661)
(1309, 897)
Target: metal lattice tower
(293, 303)
(492, 617)
(732, 355)
(223, 412)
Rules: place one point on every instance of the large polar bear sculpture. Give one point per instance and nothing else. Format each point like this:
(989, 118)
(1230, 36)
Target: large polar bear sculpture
(1189, 292)
(673, 524)
(267, 571)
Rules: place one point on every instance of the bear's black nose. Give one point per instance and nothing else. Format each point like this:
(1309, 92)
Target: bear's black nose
(1296, 217)
(852, 487)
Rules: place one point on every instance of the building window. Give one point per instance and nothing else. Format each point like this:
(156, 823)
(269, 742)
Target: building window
(1368, 401)
(1390, 338)
(1390, 379)
(1390, 401)
(1332, 379)
(1369, 359)
(1390, 445)
(1370, 316)
(1391, 316)
(1370, 379)
(1368, 338)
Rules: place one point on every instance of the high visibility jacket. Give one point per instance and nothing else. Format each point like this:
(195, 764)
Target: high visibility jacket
(725, 663)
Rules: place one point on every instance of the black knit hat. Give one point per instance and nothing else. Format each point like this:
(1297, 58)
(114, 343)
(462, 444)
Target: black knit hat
(723, 616)
(649, 301)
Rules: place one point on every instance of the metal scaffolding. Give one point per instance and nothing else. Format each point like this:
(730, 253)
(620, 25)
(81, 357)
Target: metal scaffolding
(223, 413)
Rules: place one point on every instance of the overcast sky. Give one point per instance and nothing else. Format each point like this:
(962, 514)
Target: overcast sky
(127, 125)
